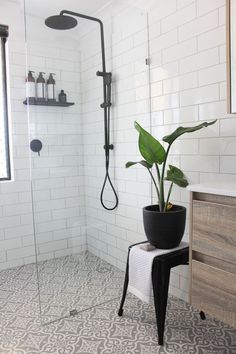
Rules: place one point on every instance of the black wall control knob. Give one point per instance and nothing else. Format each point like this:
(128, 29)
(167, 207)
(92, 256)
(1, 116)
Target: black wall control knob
(36, 146)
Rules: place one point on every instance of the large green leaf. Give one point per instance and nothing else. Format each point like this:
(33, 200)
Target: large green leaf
(149, 147)
(182, 130)
(143, 163)
(175, 175)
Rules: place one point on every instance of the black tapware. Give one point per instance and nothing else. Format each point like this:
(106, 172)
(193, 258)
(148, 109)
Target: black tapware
(65, 21)
(36, 146)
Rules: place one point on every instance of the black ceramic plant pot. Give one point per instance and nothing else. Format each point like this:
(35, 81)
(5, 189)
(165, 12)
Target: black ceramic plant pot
(164, 230)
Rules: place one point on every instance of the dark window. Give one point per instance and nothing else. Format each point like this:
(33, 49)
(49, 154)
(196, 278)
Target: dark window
(5, 169)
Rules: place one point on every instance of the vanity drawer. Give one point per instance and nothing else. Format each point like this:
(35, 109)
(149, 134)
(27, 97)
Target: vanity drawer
(214, 230)
(214, 292)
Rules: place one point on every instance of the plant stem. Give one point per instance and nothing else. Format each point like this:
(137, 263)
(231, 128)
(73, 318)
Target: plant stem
(162, 191)
(157, 190)
(158, 172)
(168, 197)
(162, 202)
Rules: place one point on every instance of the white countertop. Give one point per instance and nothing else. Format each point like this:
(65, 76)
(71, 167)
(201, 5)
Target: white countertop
(227, 188)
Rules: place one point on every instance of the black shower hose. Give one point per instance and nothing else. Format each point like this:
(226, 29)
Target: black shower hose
(107, 160)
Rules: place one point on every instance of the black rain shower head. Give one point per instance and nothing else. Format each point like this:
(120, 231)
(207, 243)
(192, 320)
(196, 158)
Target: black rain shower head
(61, 22)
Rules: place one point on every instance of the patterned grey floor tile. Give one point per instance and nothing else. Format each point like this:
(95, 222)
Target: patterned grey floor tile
(83, 282)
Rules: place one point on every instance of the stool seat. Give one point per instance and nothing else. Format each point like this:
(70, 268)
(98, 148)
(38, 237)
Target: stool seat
(160, 274)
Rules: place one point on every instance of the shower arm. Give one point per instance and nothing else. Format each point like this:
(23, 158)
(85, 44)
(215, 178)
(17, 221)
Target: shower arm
(76, 14)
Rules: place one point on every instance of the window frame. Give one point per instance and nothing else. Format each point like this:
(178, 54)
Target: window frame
(3, 40)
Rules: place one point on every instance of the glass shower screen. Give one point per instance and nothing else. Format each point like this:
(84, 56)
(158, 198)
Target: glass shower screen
(74, 268)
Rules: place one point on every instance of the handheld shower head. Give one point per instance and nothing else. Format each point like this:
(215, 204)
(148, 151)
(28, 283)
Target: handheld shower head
(61, 22)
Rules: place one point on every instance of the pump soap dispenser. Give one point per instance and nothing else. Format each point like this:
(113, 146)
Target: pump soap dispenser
(30, 87)
(51, 88)
(40, 85)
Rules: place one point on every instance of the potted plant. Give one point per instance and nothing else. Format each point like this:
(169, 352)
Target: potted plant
(164, 223)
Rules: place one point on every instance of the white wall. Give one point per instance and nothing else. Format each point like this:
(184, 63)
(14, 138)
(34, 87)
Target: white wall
(110, 233)
(16, 212)
(57, 175)
(187, 75)
(188, 85)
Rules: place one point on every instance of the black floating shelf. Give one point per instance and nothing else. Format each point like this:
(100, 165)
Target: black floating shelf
(48, 103)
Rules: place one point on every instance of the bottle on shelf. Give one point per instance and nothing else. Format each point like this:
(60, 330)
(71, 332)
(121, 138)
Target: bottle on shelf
(30, 86)
(40, 87)
(51, 88)
(62, 97)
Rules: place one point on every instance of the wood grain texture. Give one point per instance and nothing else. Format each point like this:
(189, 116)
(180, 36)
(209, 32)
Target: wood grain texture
(214, 262)
(228, 57)
(190, 244)
(214, 230)
(213, 255)
(214, 198)
(214, 292)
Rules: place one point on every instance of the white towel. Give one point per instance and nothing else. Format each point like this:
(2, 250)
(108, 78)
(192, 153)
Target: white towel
(140, 270)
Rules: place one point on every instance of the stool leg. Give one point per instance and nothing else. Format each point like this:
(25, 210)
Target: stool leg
(126, 281)
(125, 287)
(202, 315)
(160, 282)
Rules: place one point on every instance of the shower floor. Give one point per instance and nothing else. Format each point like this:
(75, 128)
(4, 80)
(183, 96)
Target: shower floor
(88, 284)
(76, 283)
(65, 284)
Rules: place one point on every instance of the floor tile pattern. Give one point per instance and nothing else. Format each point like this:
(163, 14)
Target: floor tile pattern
(97, 330)
(76, 282)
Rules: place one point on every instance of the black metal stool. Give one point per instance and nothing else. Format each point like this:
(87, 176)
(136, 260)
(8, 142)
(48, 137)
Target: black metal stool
(160, 282)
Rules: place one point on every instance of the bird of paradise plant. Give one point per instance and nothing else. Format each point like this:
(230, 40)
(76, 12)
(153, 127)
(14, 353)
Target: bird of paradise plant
(155, 155)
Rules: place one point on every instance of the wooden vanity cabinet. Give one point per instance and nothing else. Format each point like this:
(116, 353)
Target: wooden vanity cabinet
(213, 255)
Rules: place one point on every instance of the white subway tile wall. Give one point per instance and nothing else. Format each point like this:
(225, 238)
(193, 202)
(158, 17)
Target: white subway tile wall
(57, 174)
(187, 76)
(188, 84)
(56, 191)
